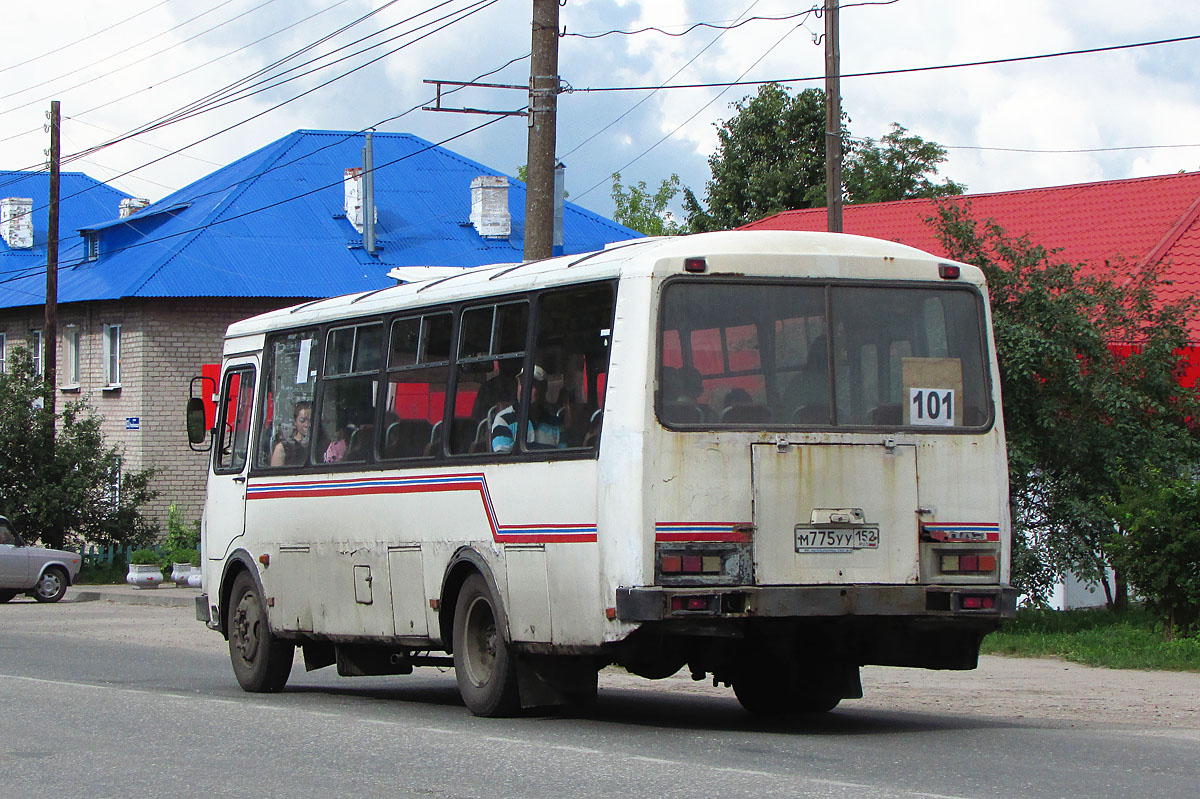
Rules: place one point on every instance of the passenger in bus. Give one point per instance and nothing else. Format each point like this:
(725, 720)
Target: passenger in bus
(544, 430)
(682, 388)
(498, 391)
(290, 451)
(336, 450)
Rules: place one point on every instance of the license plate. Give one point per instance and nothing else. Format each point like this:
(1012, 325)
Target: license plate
(843, 539)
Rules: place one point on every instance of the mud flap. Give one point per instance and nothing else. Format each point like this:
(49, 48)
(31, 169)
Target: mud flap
(544, 681)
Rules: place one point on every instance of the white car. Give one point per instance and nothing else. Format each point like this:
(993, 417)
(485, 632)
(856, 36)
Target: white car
(43, 574)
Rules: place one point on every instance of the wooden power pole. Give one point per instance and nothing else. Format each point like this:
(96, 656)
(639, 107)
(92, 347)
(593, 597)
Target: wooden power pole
(543, 107)
(50, 333)
(833, 118)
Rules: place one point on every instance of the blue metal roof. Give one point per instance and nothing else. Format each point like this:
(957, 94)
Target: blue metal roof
(272, 225)
(82, 200)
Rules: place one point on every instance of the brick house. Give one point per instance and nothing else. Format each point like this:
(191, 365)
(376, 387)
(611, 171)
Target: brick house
(144, 298)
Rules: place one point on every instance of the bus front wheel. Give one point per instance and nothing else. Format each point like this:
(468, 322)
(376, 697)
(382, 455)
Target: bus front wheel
(484, 666)
(261, 662)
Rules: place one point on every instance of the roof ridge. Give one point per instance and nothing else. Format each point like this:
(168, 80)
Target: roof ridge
(1173, 235)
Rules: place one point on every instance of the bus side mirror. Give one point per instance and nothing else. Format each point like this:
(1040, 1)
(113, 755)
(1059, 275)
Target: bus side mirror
(196, 429)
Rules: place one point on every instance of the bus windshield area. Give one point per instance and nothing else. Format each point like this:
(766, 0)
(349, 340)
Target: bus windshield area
(782, 355)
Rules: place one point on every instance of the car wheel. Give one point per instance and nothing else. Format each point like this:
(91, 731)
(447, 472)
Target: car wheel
(52, 586)
(6, 595)
(261, 662)
(483, 664)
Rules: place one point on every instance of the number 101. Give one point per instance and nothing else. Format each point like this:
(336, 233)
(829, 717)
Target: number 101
(931, 406)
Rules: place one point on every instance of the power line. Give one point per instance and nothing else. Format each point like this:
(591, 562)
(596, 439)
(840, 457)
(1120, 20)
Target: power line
(69, 45)
(139, 44)
(224, 97)
(464, 13)
(34, 271)
(902, 71)
(633, 107)
(158, 84)
(700, 110)
(718, 26)
(309, 154)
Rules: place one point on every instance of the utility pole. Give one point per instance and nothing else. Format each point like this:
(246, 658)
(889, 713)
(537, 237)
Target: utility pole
(50, 333)
(833, 118)
(543, 107)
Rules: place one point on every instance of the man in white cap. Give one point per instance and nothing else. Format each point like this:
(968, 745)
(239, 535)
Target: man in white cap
(543, 430)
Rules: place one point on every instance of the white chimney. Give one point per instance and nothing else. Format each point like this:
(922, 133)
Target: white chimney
(132, 205)
(352, 182)
(16, 222)
(489, 206)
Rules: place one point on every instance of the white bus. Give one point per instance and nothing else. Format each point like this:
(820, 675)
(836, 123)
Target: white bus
(769, 457)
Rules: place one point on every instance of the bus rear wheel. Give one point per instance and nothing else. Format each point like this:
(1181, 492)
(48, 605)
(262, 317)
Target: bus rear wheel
(484, 666)
(261, 662)
(776, 690)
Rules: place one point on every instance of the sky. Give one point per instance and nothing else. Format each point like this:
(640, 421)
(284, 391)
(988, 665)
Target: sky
(117, 66)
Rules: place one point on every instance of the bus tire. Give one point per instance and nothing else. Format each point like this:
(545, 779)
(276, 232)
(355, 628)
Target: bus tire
(484, 666)
(775, 692)
(261, 662)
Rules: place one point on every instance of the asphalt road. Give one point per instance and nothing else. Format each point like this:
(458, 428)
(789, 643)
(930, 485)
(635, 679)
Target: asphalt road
(94, 718)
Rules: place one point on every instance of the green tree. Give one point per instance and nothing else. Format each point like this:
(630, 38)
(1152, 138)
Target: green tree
(1081, 419)
(1158, 547)
(770, 157)
(644, 212)
(900, 167)
(64, 495)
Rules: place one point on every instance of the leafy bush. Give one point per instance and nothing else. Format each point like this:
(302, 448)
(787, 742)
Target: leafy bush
(191, 556)
(145, 557)
(74, 490)
(102, 573)
(1159, 548)
(181, 534)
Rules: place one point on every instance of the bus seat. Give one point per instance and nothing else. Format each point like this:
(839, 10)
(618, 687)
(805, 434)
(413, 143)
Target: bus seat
(811, 414)
(683, 413)
(434, 447)
(890, 413)
(361, 443)
(406, 438)
(462, 434)
(483, 435)
(753, 413)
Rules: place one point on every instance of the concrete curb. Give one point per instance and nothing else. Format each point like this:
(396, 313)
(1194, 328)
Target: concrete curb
(128, 595)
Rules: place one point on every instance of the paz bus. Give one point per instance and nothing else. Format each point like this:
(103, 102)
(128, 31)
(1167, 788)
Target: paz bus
(768, 457)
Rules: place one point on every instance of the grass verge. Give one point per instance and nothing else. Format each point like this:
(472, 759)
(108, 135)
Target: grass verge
(1132, 639)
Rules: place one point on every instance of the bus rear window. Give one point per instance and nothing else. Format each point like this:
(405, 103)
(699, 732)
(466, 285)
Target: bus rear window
(801, 355)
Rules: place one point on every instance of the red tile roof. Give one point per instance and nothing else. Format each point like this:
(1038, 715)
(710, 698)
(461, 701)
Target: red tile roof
(1137, 221)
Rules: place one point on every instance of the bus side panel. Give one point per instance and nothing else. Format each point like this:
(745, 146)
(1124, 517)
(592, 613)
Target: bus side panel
(624, 516)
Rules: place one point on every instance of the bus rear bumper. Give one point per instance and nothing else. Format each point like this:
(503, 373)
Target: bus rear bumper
(655, 603)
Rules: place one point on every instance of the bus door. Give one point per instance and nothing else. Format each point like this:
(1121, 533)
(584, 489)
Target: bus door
(834, 512)
(225, 510)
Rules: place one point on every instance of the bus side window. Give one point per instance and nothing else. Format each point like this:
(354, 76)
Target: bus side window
(490, 356)
(289, 377)
(418, 370)
(573, 336)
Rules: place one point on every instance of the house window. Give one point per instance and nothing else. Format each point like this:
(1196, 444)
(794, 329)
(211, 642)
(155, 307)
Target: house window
(112, 356)
(71, 356)
(93, 245)
(3, 353)
(35, 347)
